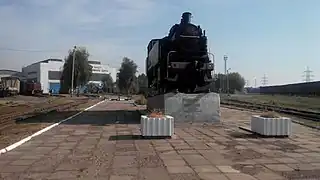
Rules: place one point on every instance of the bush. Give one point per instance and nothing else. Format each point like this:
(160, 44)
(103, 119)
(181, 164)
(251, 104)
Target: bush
(156, 114)
(270, 114)
(141, 100)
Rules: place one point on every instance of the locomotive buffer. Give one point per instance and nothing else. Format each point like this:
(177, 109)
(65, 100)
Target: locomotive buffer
(179, 74)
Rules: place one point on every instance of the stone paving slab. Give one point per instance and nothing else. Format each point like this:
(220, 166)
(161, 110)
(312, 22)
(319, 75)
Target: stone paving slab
(102, 146)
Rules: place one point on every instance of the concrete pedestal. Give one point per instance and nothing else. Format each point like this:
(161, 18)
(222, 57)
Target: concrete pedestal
(204, 107)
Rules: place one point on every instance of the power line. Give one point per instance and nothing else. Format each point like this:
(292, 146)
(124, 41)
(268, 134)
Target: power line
(307, 75)
(27, 50)
(264, 80)
(53, 51)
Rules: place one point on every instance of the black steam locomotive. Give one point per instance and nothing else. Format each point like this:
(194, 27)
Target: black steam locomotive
(179, 61)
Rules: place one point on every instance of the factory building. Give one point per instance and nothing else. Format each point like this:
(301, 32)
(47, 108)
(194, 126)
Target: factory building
(10, 73)
(48, 73)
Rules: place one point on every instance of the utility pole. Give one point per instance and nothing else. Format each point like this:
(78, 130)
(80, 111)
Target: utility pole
(307, 75)
(221, 82)
(72, 76)
(255, 82)
(264, 80)
(228, 80)
(225, 58)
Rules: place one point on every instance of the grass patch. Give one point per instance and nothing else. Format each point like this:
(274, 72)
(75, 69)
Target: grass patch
(270, 114)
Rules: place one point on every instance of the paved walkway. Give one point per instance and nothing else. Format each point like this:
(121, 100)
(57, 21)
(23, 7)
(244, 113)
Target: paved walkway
(102, 144)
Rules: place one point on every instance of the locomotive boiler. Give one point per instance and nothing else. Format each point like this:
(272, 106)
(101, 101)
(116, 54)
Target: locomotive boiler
(179, 61)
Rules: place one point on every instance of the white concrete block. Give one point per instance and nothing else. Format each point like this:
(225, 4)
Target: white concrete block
(151, 126)
(271, 126)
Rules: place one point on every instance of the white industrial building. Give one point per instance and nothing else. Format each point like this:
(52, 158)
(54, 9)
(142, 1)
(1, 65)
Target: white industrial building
(48, 73)
(99, 70)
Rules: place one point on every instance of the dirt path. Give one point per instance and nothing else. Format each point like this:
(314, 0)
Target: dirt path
(17, 130)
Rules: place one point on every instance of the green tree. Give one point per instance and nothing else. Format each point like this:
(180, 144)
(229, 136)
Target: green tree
(126, 76)
(107, 83)
(236, 82)
(217, 85)
(143, 83)
(134, 86)
(82, 70)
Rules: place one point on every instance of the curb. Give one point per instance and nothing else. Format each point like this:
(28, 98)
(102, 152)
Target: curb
(13, 146)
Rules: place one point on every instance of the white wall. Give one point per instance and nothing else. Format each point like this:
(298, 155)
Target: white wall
(113, 73)
(45, 68)
(104, 69)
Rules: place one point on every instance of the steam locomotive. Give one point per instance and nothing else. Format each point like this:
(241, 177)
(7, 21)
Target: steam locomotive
(179, 61)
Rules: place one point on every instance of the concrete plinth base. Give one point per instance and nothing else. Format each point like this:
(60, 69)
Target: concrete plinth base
(204, 107)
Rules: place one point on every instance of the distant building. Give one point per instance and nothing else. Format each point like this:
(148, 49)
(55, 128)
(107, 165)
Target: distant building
(10, 73)
(48, 73)
(99, 70)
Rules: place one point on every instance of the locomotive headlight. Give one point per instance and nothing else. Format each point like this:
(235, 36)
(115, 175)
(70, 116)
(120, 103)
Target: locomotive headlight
(209, 66)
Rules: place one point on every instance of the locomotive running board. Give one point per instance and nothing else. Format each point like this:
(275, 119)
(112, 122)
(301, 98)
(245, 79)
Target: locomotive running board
(202, 89)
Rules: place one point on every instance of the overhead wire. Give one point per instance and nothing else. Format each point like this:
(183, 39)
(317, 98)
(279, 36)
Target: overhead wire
(44, 51)
(27, 50)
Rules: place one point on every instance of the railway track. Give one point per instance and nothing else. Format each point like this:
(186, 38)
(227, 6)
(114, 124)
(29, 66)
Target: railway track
(307, 118)
(9, 119)
(310, 115)
(28, 110)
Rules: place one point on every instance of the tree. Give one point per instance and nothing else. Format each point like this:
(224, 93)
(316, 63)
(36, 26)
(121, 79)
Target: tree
(143, 83)
(107, 83)
(134, 86)
(82, 70)
(126, 76)
(236, 82)
(217, 85)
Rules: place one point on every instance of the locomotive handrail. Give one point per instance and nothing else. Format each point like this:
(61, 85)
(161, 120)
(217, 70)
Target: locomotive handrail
(213, 61)
(168, 57)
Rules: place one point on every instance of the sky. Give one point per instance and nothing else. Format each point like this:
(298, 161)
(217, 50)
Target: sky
(278, 38)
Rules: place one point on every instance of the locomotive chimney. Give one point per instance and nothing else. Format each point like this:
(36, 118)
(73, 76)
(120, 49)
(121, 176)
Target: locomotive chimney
(186, 17)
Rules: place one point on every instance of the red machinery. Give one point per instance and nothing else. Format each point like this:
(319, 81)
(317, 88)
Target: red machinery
(31, 88)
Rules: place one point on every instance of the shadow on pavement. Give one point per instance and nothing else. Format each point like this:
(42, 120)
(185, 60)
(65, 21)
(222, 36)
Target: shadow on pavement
(97, 118)
(135, 137)
(244, 135)
(253, 136)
